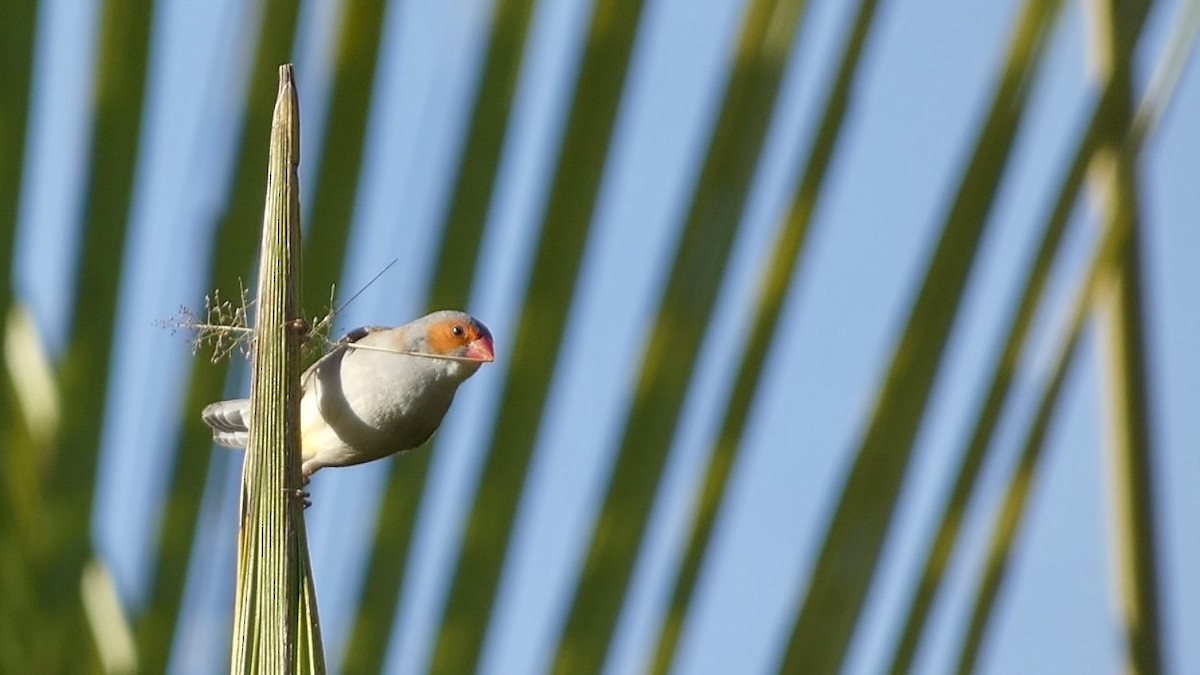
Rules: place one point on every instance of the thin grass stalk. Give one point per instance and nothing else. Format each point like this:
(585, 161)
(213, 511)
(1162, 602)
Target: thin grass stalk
(275, 620)
(459, 250)
(539, 334)
(768, 35)
(849, 554)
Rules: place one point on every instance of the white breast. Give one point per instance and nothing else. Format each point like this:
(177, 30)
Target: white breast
(360, 405)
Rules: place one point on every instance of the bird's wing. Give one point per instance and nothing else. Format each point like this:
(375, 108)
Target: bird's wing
(338, 347)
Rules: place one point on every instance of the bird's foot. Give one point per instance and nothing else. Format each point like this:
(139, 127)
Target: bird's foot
(300, 494)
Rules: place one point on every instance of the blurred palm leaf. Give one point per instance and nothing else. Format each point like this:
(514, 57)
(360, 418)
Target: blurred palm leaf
(456, 261)
(16, 43)
(45, 547)
(718, 206)
(540, 332)
(849, 555)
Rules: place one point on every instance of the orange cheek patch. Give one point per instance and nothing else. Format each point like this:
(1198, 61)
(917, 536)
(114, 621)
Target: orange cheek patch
(442, 341)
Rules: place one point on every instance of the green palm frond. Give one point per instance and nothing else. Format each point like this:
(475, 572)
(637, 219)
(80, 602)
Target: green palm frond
(537, 343)
(64, 611)
(275, 628)
(452, 277)
(696, 274)
(777, 278)
(850, 552)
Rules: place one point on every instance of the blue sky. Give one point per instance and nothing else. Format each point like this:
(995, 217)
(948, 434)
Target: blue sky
(894, 167)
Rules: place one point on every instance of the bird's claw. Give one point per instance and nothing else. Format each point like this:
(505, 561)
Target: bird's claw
(302, 495)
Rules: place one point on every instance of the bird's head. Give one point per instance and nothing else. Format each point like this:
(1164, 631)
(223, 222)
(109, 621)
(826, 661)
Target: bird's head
(456, 335)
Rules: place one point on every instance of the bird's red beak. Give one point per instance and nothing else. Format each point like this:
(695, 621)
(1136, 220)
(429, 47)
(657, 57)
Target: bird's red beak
(481, 350)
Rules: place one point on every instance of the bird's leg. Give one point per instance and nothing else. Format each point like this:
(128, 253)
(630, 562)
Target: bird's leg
(304, 478)
(300, 493)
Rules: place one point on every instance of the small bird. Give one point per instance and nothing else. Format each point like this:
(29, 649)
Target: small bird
(379, 391)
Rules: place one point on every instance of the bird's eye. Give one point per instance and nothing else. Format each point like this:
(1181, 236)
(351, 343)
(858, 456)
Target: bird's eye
(458, 331)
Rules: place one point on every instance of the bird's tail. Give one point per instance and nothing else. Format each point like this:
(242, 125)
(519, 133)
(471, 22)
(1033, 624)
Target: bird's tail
(230, 422)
